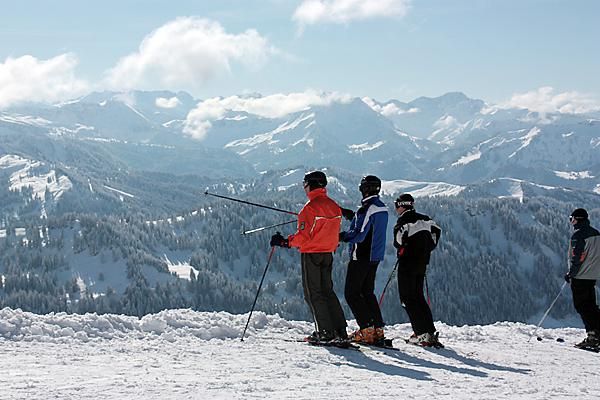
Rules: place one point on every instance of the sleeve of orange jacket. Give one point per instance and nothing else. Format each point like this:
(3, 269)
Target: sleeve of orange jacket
(306, 218)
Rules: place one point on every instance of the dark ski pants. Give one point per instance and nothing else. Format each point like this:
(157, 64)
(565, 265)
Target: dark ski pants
(359, 293)
(410, 288)
(584, 300)
(319, 294)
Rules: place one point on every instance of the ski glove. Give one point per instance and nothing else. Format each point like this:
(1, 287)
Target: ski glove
(341, 237)
(278, 240)
(568, 277)
(348, 214)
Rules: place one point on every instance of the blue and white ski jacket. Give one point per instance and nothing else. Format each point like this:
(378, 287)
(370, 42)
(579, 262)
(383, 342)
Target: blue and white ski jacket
(367, 231)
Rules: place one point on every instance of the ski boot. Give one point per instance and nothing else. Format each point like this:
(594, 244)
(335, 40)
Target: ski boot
(591, 342)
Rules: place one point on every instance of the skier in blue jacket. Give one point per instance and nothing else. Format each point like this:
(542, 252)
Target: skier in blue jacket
(366, 237)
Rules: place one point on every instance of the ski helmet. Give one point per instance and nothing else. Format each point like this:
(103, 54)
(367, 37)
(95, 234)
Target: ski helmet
(579, 214)
(315, 179)
(404, 200)
(369, 185)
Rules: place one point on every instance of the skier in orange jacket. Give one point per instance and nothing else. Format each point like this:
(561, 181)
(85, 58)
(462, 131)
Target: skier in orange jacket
(317, 237)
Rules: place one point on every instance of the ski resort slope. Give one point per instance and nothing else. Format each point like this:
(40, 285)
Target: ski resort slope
(182, 354)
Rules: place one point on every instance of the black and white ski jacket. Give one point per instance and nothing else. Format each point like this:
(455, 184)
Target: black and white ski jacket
(415, 236)
(584, 252)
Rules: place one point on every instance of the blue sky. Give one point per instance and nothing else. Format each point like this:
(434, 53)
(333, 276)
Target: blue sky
(384, 49)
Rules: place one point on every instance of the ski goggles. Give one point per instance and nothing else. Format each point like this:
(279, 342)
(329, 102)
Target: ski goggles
(404, 204)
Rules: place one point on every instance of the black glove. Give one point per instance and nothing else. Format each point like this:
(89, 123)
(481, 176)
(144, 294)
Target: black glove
(348, 214)
(278, 240)
(342, 236)
(568, 277)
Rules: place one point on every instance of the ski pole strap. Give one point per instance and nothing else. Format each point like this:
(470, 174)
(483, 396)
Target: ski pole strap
(250, 203)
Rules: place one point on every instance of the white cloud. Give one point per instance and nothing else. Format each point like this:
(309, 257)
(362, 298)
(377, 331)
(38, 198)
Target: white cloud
(389, 109)
(198, 121)
(163, 102)
(27, 78)
(185, 53)
(343, 11)
(446, 122)
(544, 100)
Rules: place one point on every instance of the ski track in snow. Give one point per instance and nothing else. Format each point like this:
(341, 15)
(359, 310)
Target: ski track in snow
(182, 354)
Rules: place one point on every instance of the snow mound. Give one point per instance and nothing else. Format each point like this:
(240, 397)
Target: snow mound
(169, 324)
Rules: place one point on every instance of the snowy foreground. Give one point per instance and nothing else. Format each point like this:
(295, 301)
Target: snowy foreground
(181, 354)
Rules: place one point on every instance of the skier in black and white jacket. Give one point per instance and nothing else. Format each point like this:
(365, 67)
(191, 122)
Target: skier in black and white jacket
(584, 270)
(415, 236)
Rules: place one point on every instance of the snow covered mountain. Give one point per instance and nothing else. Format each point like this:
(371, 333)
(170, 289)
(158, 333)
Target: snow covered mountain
(450, 138)
(562, 153)
(350, 136)
(427, 117)
(178, 354)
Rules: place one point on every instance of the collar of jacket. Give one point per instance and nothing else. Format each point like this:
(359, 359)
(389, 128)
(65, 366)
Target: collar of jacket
(319, 192)
(367, 199)
(581, 224)
(407, 211)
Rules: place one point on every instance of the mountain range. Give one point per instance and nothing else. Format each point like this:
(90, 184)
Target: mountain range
(451, 138)
(102, 198)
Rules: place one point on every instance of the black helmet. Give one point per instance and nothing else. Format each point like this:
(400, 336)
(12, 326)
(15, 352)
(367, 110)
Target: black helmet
(579, 214)
(315, 179)
(369, 185)
(404, 200)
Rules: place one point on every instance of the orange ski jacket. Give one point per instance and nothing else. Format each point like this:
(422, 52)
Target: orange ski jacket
(318, 224)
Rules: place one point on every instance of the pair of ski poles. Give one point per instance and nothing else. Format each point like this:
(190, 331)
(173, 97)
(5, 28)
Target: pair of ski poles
(262, 228)
(254, 231)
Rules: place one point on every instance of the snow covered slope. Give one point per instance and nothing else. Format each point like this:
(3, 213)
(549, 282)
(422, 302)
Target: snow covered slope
(181, 354)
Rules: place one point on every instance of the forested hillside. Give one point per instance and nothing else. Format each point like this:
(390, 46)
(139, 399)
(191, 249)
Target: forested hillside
(499, 259)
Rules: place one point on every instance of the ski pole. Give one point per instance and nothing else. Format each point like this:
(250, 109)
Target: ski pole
(387, 283)
(258, 291)
(547, 312)
(250, 203)
(266, 227)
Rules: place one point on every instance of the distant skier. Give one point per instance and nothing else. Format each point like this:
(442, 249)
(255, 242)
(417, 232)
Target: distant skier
(317, 237)
(584, 270)
(367, 248)
(415, 236)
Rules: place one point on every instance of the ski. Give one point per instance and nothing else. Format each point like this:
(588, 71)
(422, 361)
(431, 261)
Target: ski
(348, 345)
(428, 346)
(593, 349)
(385, 345)
(345, 346)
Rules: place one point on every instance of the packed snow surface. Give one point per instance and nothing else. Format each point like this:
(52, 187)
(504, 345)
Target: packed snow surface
(182, 354)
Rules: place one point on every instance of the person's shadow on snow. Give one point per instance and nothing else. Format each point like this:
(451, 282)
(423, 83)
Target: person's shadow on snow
(472, 362)
(417, 361)
(361, 360)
